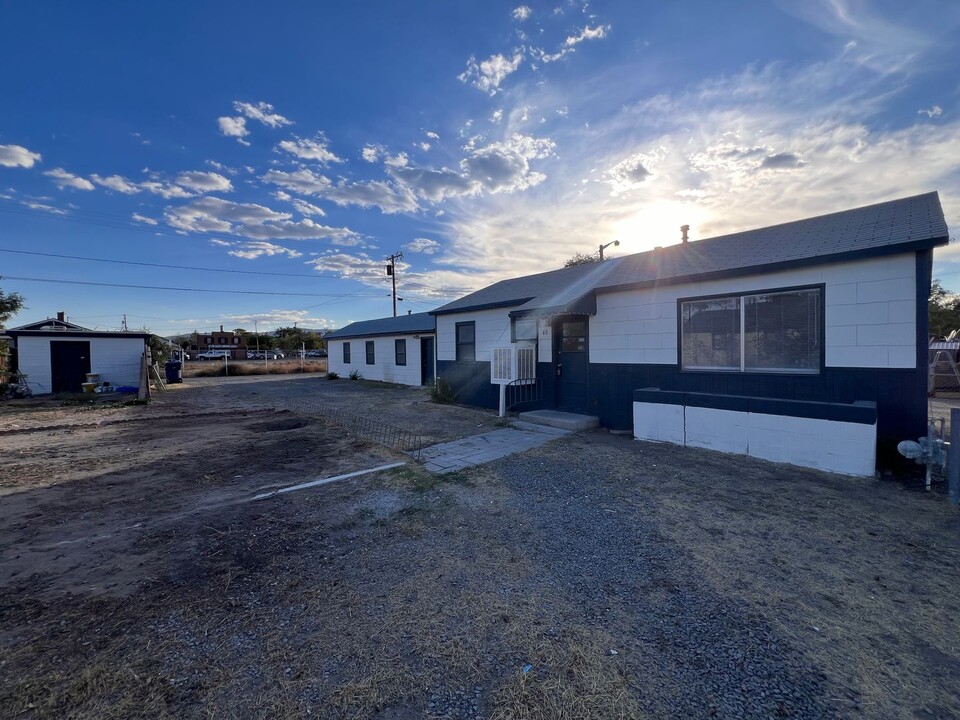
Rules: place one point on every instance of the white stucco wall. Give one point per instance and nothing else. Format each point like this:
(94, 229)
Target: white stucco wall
(117, 359)
(384, 368)
(843, 447)
(870, 309)
(492, 330)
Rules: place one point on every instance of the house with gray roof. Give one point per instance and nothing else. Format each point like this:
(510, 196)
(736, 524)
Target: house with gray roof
(395, 349)
(803, 342)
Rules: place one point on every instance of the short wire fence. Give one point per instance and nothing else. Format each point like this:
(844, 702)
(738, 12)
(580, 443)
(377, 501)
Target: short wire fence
(367, 428)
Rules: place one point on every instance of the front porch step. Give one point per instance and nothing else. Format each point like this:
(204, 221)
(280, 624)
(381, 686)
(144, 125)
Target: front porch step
(557, 419)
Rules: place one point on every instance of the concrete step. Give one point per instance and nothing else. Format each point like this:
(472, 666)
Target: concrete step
(557, 419)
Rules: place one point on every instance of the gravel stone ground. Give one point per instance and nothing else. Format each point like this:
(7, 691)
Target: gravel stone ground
(595, 577)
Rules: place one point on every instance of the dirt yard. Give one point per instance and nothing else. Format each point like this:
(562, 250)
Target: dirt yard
(595, 577)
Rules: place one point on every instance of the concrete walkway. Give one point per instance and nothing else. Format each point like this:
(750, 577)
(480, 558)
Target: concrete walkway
(479, 449)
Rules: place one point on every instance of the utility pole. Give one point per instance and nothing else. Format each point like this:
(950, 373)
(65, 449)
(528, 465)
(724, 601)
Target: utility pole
(123, 327)
(392, 272)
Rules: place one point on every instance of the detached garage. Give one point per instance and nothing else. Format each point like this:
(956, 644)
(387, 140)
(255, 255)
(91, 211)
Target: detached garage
(56, 355)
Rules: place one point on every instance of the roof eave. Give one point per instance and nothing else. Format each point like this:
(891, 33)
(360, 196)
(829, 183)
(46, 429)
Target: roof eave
(483, 306)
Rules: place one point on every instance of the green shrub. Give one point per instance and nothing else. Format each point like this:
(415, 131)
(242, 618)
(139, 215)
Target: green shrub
(441, 392)
(355, 375)
(333, 375)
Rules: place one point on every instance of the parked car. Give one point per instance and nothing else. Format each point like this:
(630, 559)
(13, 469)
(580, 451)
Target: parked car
(316, 353)
(213, 355)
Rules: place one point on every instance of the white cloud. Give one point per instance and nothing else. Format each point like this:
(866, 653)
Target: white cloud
(521, 13)
(422, 245)
(934, 112)
(305, 208)
(235, 127)
(17, 156)
(388, 197)
(203, 182)
(310, 149)
(262, 112)
(496, 167)
(221, 167)
(432, 135)
(165, 190)
(496, 117)
(43, 207)
(588, 33)
(371, 153)
(144, 219)
(425, 146)
(63, 179)
(210, 214)
(488, 75)
(117, 183)
(279, 318)
(398, 160)
(356, 267)
(252, 250)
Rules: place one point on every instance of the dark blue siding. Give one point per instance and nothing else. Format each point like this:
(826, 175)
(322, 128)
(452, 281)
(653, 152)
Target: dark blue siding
(900, 394)
(470, 382)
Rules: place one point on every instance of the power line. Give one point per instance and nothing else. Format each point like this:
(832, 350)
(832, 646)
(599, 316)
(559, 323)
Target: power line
(163, 265)
(180, 289)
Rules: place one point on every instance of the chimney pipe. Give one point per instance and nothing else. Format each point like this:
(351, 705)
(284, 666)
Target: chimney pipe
(684, 229)
(62, 316)
(221, 328)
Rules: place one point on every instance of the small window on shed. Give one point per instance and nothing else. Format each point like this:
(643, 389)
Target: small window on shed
(346, 353)
(370, 353)
(400, 350)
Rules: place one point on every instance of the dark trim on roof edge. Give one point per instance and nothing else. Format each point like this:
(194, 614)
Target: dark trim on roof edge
(916, 246)
(483, 306)
(431, 331)
(76, 334)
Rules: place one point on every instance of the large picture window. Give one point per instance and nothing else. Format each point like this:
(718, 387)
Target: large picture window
(466, 342)
(760, 332)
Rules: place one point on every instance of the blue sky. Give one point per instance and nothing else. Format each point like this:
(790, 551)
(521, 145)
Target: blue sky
(300, 143)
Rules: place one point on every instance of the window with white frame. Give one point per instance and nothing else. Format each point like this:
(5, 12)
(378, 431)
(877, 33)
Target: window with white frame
(758, 332)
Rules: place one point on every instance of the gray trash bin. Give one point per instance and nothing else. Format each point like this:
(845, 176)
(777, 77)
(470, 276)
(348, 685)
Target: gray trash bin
(174, 371)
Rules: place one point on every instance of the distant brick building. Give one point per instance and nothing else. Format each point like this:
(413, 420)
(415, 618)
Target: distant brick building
(219, 340)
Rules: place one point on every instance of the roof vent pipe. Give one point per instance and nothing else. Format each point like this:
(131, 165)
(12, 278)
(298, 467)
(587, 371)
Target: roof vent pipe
(684, 230)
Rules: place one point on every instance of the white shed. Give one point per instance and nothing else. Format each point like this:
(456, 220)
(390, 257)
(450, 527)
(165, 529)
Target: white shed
(55, 355)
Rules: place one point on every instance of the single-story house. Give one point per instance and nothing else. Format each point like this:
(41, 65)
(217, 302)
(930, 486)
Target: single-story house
(804, 342)
(55, 355)
(395, 349)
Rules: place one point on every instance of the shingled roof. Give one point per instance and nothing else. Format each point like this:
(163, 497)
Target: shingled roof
(400, 325)
(908, 224)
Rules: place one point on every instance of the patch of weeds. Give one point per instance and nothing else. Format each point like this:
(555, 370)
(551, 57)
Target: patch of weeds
(355, 375)
(361, 516)
(333, 375)
(441, 392)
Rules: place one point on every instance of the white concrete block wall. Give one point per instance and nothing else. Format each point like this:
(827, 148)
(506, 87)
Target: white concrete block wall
(33, 360)
(492, 330)
(384, 368)
(834, 446)
(116, 359)
(870, 314)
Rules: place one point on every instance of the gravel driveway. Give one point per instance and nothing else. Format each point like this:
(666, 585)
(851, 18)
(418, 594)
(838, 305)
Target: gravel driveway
(594, 577)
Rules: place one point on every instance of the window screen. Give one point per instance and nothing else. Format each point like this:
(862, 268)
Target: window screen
(370, 357)
(466, 342)
(346, 353)
(761, 332)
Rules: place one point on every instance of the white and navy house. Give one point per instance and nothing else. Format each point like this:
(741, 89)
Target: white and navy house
(396, 349)
(804, 342)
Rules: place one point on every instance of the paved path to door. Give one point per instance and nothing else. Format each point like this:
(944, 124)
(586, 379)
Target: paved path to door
(489, 446)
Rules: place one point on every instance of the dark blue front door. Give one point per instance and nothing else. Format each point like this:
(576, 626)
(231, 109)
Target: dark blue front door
(570, 359)
(426, 361)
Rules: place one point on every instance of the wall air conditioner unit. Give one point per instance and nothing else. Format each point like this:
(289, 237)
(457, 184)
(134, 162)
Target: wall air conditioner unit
(515, 363)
